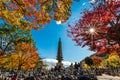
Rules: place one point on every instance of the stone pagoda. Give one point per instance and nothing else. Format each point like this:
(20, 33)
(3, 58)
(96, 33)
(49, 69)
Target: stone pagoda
(59, 54)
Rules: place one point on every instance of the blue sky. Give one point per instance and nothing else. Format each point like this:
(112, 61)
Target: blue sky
(47, 38)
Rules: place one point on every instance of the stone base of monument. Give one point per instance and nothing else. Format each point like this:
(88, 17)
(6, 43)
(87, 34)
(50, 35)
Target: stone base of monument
(108, 77)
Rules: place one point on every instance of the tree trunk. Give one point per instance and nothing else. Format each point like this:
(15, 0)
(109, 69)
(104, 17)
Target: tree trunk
(19, 67)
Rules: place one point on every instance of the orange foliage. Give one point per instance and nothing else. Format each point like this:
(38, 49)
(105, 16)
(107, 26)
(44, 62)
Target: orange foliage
(29, 3)
(35, 12)
(96, 60)
(26, 55)
(114, 50)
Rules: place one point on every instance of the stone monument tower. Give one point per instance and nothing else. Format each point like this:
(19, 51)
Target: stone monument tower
(59, 54)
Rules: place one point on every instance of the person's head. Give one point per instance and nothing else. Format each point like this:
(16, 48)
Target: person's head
(15, 75)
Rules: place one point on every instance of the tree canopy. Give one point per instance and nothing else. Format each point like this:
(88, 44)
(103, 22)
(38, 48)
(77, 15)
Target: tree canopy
(24, 57)
(34, 13)
(17, 48)
(104, 19)
(11, 35)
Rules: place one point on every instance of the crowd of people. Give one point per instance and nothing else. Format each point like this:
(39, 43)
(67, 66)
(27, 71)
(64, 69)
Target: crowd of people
(48, 75)
(73, 72)
(57, 73)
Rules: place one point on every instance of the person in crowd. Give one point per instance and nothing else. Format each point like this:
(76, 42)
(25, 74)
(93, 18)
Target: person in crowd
(14, 77)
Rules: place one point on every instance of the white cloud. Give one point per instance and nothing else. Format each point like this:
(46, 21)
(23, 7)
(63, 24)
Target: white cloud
(52, 62)
(66, 63)
(58, 22)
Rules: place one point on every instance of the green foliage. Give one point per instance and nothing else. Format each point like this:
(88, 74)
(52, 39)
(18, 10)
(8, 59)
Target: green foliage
(11, 35)
(89, 61)
(39, 63)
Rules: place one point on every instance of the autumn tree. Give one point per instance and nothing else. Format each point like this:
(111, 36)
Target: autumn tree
(24, 57)
(28, 55)
(7, 62)
(112, 61)
(34, 13)
(11, 35)
(96, 61)
(98, 28)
